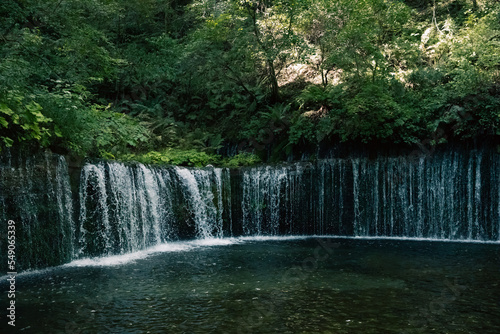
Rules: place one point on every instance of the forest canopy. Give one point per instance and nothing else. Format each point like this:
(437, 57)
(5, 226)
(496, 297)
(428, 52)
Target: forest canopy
(175, 81)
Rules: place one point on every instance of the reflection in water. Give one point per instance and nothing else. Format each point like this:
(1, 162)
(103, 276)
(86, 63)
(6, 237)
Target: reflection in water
(292, 285)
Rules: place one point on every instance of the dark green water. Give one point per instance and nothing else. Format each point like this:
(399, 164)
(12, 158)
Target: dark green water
(270, 286)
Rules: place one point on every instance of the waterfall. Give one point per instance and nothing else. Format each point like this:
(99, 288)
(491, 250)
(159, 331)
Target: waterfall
(35, 193)
(64, 201)
(94, 210)
(203, 194)
(262, 197)
(445, 196)
(123, 208)
(225, 200)
(126, 208)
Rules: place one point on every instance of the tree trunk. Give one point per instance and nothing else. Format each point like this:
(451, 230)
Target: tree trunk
(274, 82)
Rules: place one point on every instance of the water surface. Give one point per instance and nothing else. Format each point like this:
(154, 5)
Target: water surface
(273, 285)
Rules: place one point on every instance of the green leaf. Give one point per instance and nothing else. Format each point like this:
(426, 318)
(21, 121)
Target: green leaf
(6, 110)
(8, 141)
(3, 122)
(57, 131)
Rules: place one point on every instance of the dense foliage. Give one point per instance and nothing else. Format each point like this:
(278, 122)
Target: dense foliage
(174, 81)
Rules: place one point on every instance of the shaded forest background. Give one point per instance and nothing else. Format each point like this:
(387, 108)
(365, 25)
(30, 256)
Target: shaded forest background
(239, 81)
